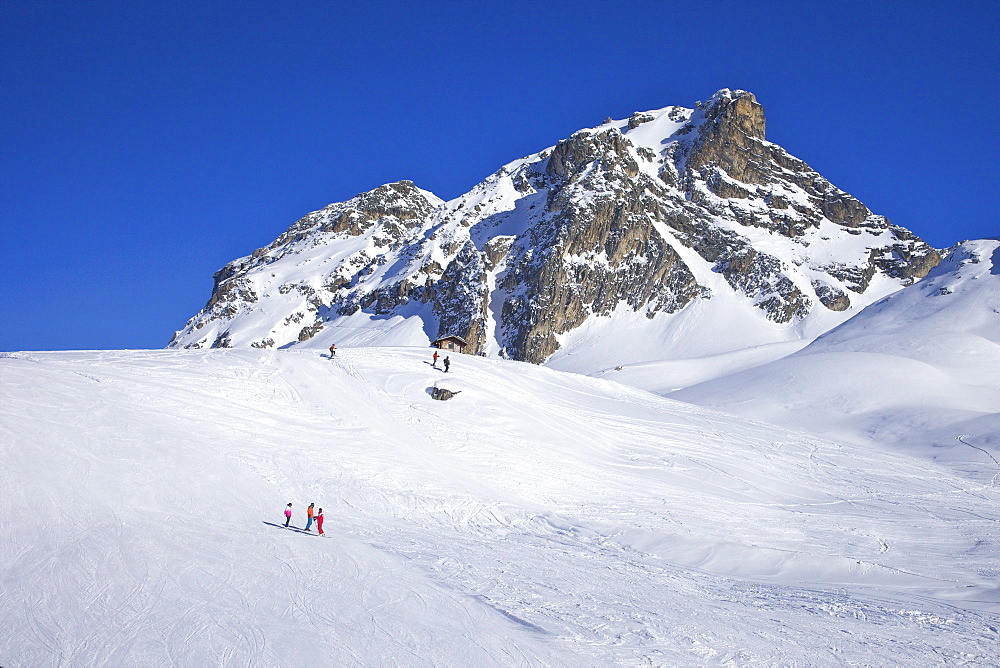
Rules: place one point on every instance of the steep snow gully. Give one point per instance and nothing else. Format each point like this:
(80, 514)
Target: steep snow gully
(539, 518)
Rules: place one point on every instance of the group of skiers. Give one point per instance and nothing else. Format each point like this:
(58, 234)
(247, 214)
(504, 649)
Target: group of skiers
(446, 362)
(317, 516)
(310, 516)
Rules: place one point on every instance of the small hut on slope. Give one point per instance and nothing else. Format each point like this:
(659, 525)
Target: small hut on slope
(451, 342)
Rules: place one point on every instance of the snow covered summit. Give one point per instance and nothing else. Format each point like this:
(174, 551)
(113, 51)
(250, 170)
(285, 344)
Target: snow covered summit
(665, 228)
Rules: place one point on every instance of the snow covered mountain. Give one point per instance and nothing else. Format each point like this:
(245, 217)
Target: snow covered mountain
(674, 233)
(539, 518)
(919, 370)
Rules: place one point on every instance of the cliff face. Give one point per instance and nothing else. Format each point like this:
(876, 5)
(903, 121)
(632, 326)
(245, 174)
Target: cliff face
(644, 215)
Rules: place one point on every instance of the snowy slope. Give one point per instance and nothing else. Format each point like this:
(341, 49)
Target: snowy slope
(537, 518)
(920, 370)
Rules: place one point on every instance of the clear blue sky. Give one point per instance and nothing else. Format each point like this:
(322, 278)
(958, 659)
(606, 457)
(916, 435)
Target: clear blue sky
(146, 144)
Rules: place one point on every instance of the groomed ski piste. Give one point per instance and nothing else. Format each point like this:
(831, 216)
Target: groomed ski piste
(537, 518)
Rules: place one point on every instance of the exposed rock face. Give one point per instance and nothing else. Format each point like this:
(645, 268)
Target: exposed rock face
(645, 215)
(831, 297)
(601, 250)
(731, 139)
(461, 297)
(606, 151)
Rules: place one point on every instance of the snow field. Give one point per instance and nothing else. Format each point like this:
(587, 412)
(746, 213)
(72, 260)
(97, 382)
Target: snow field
(537, 518)
(918, 371)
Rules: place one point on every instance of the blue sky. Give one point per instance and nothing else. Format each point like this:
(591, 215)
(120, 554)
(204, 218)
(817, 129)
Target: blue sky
(146, 144)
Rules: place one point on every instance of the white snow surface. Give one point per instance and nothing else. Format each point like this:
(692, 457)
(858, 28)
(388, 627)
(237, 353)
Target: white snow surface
(537, 518)
(918, 370)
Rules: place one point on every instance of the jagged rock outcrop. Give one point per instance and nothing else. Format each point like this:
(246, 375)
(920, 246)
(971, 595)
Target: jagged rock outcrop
(730, 144)
(461, 297)
(645, 215)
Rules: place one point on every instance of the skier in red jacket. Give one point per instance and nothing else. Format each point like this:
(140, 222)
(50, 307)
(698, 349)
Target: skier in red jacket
(319, 522)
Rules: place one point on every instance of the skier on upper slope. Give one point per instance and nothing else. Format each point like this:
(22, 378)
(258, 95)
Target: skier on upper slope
(288, 514)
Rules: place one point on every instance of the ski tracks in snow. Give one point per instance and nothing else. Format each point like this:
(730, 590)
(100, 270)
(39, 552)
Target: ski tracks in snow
(536, 519)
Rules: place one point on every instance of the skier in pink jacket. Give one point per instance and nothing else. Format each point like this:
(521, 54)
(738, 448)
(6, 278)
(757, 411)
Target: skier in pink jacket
(288, 514)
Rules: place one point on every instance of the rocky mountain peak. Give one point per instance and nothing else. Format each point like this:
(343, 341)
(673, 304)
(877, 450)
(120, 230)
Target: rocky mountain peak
(731, 138)
(401, 199)
(663, 214)
(728, 112)
(604, 148)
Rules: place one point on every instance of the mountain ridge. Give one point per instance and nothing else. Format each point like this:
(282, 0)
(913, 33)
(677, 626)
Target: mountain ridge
(647, 215)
